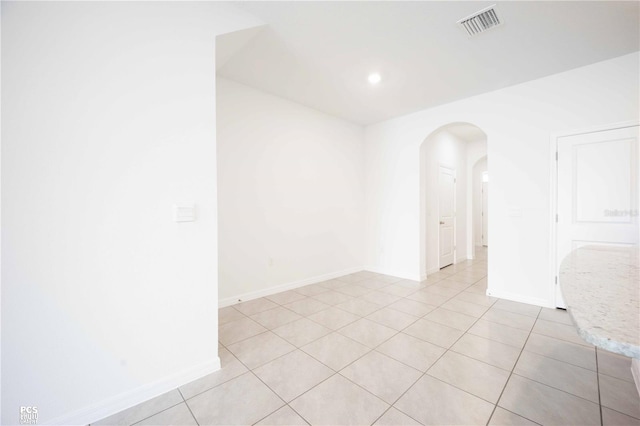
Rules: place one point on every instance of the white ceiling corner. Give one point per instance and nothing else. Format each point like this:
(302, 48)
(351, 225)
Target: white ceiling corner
(320, 53)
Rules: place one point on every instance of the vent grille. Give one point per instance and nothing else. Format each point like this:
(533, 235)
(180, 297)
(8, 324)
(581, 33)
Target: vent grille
(481, 21)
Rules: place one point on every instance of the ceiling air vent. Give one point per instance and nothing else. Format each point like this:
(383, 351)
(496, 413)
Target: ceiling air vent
(480, 21)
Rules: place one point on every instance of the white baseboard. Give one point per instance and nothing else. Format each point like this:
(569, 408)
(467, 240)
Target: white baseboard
(228, 301)
(520, 298)
(635, 372)
(113, 405)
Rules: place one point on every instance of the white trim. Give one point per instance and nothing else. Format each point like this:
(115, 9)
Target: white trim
(553, 205)
(228, 301)
(115, 404)
(516, 297)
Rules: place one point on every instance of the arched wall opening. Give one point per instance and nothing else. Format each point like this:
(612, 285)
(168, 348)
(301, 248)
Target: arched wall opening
(447, 159)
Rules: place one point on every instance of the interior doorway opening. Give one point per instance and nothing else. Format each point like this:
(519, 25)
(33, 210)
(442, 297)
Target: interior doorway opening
(448, 224)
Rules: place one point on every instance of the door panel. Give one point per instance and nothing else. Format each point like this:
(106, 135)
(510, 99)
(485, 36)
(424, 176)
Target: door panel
(446, 214)
(597, 191)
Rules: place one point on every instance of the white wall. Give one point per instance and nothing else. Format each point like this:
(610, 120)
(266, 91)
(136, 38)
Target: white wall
(290, 193)
(518, 122)
(442, 148)
(479, 167)
(108, 119)
(476, 149)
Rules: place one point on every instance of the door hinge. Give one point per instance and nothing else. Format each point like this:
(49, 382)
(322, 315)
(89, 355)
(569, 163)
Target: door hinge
(455, 180)
(556, 280)
(556, 155)
(556, 217)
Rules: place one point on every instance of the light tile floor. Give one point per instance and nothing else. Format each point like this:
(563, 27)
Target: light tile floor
(372, 349)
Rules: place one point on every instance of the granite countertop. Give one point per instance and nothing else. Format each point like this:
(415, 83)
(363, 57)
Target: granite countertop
(601, 288)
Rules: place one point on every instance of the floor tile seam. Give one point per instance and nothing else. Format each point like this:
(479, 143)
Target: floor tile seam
(267, 362)
(188, 407)
(612, 377)
(456, 312)
(333, 330)
(396, 408)
(361, 316)
(156, 413)
(281, 325)
(450, 296)
(598, 384)
(620, 412)
(512, 412)
(306, 343)
(215, 386)
(346, 378)
(609, 375)
(411, 300)
(400, 330)
(461, 389)
(511, 373)
(555, 388)
(272, 391)
(250, 337)
(450, 384)
(400, 361)
(519, 347)
(367, 390)
(456, 387)
(463, 313)
(342, 368)
(426, 341)
(506, 325)
(381, 415)
(475, 359)
(234, 320)
(221, 383)
(246, 317)
(315, 312)
(565, 362)
(563, 340)
(518, 313)
(556, 359)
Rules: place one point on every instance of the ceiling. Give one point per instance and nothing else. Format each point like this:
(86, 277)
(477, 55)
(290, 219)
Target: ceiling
(319, 54)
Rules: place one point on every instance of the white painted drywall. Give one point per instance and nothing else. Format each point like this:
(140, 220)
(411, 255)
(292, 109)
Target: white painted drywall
(476, 149)
(290, 193)
(478, 168)
(442, 148)
(518, 122)
(108, 119)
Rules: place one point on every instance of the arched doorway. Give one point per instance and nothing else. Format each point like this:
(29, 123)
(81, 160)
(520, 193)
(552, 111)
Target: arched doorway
(447, 159)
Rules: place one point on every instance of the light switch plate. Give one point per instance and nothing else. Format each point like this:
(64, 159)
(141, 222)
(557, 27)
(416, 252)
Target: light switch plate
(184, 212)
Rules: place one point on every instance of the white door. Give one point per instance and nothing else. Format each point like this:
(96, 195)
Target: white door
(446, 214)
(597, 191)
(485, 214)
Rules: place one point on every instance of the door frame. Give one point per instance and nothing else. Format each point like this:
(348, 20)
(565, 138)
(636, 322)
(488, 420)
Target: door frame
(455, 211)
(484, 212)
(553, 204)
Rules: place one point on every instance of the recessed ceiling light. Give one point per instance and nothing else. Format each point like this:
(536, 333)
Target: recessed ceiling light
(374, 78)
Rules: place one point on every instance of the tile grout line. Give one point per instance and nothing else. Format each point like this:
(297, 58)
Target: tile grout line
(598, 383)
(511, 373)
(426, 371)
(188, 407)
